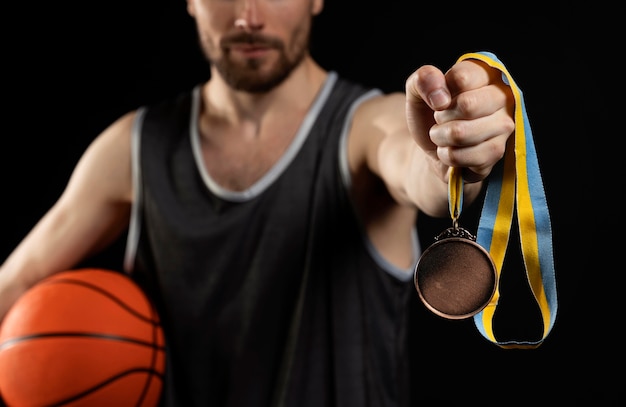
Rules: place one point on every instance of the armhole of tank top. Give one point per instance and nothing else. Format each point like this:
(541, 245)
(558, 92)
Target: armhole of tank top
(397, 272)
(134, 227)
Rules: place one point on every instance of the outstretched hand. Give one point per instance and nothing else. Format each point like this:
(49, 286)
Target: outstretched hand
(462, 118)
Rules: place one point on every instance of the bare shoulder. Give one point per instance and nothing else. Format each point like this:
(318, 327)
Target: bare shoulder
(374, 120)
(107, 160)
(114, 143)
(386, 109)
(118, 132)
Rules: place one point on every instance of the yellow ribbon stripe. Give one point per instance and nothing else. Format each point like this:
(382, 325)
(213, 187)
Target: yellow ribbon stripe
(455, 193)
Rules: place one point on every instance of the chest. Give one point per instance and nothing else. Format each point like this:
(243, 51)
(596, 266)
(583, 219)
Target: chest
(238, 158)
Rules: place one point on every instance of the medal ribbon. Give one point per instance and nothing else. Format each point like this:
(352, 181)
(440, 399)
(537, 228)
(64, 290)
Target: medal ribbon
(515, 183)
(455, 194)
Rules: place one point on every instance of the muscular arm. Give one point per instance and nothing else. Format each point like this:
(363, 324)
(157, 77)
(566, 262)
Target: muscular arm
(90, 213)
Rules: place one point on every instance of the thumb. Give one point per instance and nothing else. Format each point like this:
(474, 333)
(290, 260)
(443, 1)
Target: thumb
(426, 92)
(428, 85)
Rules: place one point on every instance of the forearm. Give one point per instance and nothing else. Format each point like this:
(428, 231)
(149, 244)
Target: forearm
(22, 269)
(10, 290)
(64, 237)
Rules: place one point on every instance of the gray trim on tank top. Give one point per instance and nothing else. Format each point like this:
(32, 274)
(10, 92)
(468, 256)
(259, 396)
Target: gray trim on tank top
(134, 230)
(278, 168)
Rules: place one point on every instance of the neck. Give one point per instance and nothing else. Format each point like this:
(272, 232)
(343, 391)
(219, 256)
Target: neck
(297, 92)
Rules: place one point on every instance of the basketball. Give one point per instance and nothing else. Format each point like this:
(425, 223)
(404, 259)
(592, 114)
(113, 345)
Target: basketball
(85, 337)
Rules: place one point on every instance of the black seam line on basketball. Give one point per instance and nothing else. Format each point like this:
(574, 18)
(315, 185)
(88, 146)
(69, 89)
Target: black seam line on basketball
(118, 338)
(107, 294)
(153, 363)
(103, 384)
(146, 386)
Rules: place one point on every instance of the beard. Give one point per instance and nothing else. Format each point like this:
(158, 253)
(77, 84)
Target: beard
(254, 75)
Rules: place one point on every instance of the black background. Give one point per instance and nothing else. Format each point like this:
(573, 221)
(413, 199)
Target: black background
(71, 69)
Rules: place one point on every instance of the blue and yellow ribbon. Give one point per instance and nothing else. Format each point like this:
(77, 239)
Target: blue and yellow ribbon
(515, 184)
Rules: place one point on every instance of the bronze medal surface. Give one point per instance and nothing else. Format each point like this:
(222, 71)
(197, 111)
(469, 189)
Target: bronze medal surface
(455, 277)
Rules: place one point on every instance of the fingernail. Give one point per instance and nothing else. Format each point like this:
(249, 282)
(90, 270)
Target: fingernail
(439, 99)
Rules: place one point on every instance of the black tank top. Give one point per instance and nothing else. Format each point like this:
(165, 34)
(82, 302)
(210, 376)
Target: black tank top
(272, 296)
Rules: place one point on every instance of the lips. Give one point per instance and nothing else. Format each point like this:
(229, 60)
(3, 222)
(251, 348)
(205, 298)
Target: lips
(250, 50)
(250, 43)
(249, 47)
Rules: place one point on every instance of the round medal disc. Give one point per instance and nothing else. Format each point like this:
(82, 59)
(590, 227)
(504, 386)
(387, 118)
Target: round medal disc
(455, 278)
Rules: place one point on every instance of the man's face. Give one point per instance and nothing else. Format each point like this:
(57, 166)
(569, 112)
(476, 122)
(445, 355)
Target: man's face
(260, 53)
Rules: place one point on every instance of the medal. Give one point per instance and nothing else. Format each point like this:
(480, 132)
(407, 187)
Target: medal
(455, 277)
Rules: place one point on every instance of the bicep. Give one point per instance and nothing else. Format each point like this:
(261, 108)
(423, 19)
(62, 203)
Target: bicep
(90, 213)
(96, 201)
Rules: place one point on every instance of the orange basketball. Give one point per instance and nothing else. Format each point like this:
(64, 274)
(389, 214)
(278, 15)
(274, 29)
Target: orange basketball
(86, 337)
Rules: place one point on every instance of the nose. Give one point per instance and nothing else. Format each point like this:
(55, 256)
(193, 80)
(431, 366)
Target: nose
(250, 17)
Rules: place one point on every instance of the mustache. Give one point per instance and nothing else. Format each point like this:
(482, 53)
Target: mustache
(251, 39)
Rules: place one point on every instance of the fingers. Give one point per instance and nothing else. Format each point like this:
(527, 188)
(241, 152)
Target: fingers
(464, 116)
(477, 144)
(474, 104)
(465, 133)
(468, 75)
